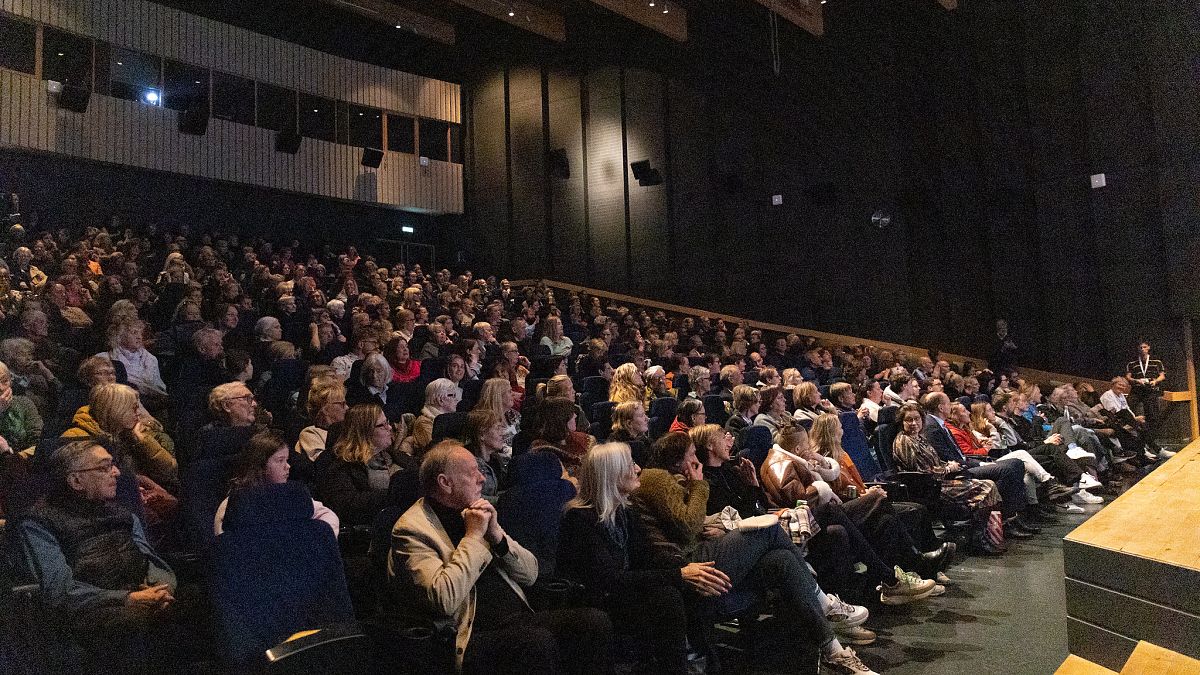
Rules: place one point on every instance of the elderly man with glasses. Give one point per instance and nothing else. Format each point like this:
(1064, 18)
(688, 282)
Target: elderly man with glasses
(97, 571)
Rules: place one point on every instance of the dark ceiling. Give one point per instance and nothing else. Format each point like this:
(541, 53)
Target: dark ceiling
(731, 35)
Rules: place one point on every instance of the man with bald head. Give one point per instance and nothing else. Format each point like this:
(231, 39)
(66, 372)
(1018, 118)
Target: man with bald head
(451, 556)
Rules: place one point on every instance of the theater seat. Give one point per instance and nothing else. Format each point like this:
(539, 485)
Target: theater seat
(530, 510)
(601, 417)
(854, 442)
(714, 409)
(756, 443)
(275, 571)
(204, 484)
(662, 413)
(449, 425)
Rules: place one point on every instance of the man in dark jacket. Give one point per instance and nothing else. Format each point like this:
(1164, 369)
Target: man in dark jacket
(96, 569)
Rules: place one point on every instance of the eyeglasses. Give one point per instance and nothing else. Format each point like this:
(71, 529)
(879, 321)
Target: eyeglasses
(104, 466)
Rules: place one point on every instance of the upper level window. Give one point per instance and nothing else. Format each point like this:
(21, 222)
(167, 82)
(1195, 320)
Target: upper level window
(232, 98)
(276, 107)
(66, 57)
(318, 118)
(17, 44)
(184, 85)
(433, 139)
(366, 127)
(135, 76)
(401, 133)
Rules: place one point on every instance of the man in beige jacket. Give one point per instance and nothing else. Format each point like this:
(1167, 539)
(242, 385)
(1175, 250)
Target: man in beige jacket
(452, 558)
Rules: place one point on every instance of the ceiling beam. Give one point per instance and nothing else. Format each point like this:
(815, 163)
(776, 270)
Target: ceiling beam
(523, 15)
(399, 17)
(665, 17)
(806, 14)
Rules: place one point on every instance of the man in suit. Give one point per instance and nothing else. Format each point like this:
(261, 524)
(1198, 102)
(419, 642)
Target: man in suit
(1009, 475)
(450, 554)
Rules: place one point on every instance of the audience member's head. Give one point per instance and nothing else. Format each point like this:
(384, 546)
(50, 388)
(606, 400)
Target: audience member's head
(232, 404)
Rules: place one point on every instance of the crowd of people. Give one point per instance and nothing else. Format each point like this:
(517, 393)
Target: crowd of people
(517, 438)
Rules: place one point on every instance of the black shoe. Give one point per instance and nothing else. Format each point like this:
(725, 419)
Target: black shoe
(982, 546)
(1014, 531)
(1056, 492)
(1024, 524)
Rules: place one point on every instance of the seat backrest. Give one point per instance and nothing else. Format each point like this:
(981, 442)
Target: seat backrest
(682, 385)
(806, 423)
(854, 442)
(204, 483)
(664, 407)
(274, 572)
(965, 400)
(756, 443)
(594, 385)
(471, 390)
(823, 390)
(714, 410)
(602, 414)
(885, 437)
(887, 414)
(449, 425)
(530, 510)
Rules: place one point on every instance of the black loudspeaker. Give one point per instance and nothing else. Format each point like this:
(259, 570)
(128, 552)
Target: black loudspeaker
(559, 165)
(372, 157)
(288, 141)
(74, 98)
(194, 119)
(645, 174)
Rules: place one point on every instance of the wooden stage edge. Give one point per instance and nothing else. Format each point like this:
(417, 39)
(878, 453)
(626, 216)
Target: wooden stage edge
(1133, 569)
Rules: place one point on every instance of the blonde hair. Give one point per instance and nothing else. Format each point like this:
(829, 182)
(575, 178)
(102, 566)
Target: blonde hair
(803, 393)
(320, 392)
(824, 435)
(354, 445)
(624, 387)
(555, 386)
(108, 402)
(790, 437)
(700, 374)
(599, 475)
(703, 437)
(220, 394)
(623, 413)
(117, 328)
(979, 420)
(491, 395)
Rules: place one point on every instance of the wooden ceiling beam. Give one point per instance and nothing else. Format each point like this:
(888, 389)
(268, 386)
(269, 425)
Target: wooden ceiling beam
(668, 18)
(806, 14)
(523, 15)
(399, 17)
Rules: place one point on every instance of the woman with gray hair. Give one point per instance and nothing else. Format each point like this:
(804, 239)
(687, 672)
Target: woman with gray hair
(374, 385)
(594, 550)
(441, 397)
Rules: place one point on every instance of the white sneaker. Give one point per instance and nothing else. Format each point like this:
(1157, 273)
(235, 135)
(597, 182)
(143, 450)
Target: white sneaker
(1086, 481)
(847, 662)
(1085, 497)
(1073, 508)
(845, 615)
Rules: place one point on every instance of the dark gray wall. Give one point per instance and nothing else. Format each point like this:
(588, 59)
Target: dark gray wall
(977, 129)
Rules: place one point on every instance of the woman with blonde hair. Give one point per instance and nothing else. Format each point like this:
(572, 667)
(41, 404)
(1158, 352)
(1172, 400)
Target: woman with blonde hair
(562, 386)
(594, 551)
(441, 396)
(141, 367)
(114, 411)
(627, 385)
(496, 395)
(630, 425)
(355, 485)
(326, 406)
(559, 344)
(809, 404)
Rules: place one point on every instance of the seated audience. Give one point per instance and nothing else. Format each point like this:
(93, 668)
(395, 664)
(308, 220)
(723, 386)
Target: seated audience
(484, 437)
(627, 385)
(773, 410)
(404, 367)
(265, 460)
(631, 426)
(441, 397)
(690, 413)
(355, 484)
(20, 423)
(374, 385)
(141, 367)
(452, 559)
(114, 414)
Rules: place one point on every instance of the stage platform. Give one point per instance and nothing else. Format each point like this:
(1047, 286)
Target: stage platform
(1133, 569)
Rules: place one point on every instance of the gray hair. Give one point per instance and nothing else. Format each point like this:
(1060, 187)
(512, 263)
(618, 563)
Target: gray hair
(205, 333)
(436, 461)
(265, 324)
(600, 475)
(69, 458)
(373, 363)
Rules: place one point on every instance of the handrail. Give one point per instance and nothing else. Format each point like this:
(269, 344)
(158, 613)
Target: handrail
(1041, 376)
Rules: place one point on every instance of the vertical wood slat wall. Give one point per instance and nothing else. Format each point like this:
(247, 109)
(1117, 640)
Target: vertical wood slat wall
(125, 132)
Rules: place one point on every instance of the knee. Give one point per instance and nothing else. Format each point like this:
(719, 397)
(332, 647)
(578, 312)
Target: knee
(594, 622)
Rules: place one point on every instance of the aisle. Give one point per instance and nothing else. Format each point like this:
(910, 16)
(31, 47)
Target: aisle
(1003, 616)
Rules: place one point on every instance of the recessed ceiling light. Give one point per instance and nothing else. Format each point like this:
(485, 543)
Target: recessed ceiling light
(666, 11)
(60, 53)
(399, 26)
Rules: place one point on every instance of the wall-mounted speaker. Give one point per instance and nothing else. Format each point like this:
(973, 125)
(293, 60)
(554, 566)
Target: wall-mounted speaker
(193, 120)
(645, 174)
(558, 164)
(74, 98)
(288, 141)
(372, 157)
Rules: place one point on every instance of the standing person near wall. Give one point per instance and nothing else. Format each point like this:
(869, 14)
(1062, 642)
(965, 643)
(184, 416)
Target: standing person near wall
(1146, 374)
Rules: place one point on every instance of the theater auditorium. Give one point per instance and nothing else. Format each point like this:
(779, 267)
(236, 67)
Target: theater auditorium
(629, 337)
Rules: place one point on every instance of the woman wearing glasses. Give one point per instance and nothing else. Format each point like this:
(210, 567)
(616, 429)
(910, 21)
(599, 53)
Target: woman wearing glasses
(355, 485)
